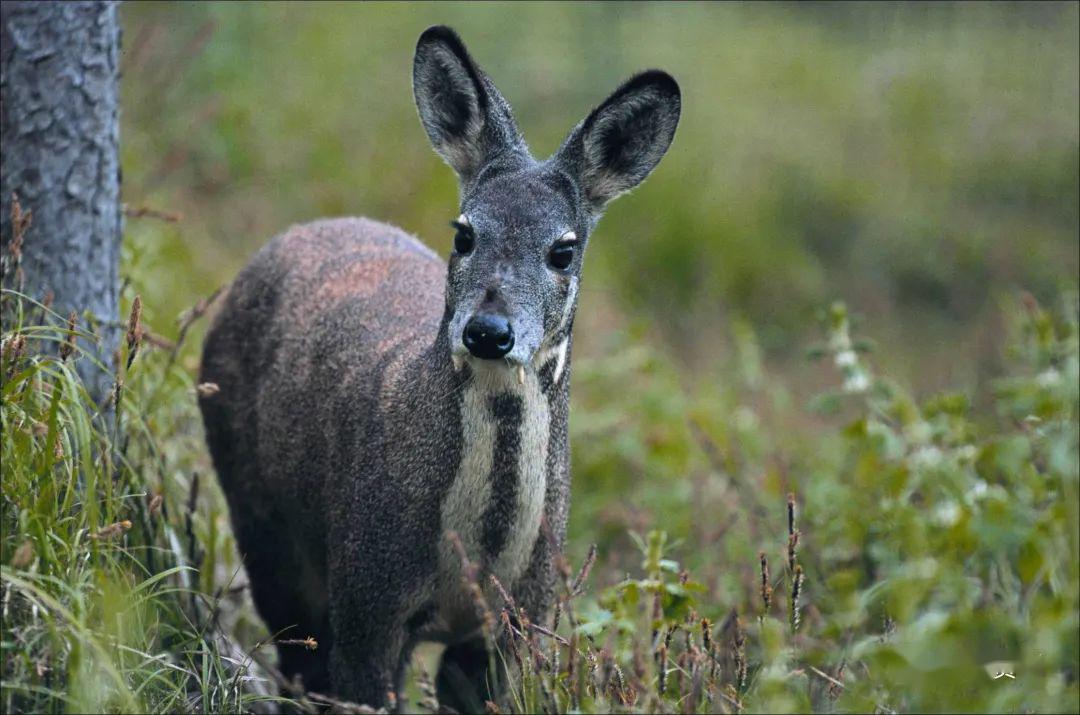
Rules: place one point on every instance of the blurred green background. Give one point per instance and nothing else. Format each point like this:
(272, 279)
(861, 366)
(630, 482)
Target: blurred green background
(914, 160)
(917, 161)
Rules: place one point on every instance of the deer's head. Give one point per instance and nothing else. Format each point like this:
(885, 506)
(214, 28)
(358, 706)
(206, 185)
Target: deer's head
(523, 224)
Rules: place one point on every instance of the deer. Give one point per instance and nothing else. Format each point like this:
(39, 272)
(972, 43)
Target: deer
(381, 413)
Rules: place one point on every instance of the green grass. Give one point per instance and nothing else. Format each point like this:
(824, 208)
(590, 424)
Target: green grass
(114, 562)
(933, 547)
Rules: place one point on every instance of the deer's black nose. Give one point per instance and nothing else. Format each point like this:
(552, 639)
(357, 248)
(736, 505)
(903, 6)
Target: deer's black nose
(488, 337)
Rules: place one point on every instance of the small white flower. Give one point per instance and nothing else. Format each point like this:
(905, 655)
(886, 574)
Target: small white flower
(845, 358)
(926, 457)
(1049, 377)
(857, 382)
(947, 513)
(968, 453)
(977, 491)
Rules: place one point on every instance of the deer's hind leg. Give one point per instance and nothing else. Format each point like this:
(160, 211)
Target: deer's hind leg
(464, 681)
(286, 590)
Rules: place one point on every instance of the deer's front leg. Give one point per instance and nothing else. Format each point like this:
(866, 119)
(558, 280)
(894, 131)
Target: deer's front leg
(373, 591)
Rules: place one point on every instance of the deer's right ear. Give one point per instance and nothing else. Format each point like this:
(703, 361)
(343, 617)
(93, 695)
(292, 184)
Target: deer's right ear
(623, 139)
(463, 114)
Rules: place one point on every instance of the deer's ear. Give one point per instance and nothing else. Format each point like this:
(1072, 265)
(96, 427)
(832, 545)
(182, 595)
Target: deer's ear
(623, 139)
(465, 117)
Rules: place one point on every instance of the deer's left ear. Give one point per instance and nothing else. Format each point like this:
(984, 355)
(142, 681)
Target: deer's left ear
(467, 119)
(623, 139)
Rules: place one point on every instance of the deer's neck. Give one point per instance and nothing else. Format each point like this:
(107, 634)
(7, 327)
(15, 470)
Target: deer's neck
(508, 432)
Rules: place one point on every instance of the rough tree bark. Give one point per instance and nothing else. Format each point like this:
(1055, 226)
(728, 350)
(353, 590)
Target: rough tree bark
(59, 108)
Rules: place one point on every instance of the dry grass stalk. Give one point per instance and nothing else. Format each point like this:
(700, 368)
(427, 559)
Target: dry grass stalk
(796, 592)
(583, 574)
(10, 353)
(792, 550)
(555, 638)
(107, 532)
(696, 682)
(709, 645)
(838, 687)
(157, 341)
(661, 667)
(147, 212)
(536, 627)
(539, 660)
(594, 665)
(793, 533)
(791, 512)
(739, 654)
(657, 617)
(24, 555)
(766, 587)
(20, 221)
(835, 686)
(118, 391)
(731, 698)
(512, 638)
(572, 673)
(508, 600)
(618, 683)
(68, 346)
(134, 330)
(155, 503)
(13, 347)
(188, 319)
(470, 573)
(310, 643)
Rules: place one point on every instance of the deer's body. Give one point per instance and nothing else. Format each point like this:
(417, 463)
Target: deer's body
(373, 400)
(348, 438)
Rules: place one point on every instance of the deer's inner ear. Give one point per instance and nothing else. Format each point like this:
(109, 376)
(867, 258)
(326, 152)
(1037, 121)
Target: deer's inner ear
(468, 121)
(449, 98)
(624, 138)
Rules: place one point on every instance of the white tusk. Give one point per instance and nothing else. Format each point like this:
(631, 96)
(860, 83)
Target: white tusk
(521, 374)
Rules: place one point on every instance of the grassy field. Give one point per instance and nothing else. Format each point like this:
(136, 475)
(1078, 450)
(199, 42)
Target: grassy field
(910, 461)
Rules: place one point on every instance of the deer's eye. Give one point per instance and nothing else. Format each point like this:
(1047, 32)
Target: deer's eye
(562, 255)
(463, 239)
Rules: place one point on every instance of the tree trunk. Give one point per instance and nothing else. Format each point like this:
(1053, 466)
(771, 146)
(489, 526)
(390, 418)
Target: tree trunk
(59, 107)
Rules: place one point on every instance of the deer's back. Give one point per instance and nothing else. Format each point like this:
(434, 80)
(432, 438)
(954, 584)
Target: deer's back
(299, 352)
